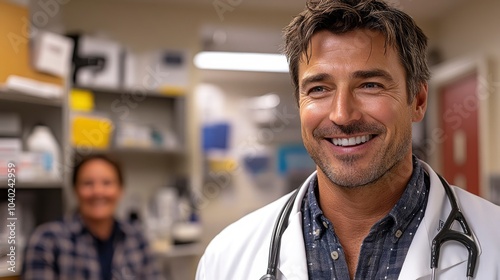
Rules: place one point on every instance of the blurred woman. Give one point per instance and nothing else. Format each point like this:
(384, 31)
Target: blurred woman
(91, 243)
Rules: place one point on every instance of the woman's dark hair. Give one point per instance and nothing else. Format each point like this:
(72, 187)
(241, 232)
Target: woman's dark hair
(90, 158)
(342, 16)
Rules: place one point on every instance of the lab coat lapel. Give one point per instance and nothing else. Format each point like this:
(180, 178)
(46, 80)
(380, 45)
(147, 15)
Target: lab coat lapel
(292, 262)
(417, 262)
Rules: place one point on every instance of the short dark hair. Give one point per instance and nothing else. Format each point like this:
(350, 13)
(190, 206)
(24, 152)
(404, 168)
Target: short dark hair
(83, 161)
(342, 16)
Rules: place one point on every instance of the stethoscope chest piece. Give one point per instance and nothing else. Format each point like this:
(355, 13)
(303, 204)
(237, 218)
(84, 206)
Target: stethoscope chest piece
(449, 234)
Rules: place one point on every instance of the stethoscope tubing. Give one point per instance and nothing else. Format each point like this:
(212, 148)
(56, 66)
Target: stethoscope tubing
(279, 228)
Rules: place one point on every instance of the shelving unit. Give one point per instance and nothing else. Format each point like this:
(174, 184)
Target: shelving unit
(38, 200)
(34, 110)
(146, 168)
(152, 108)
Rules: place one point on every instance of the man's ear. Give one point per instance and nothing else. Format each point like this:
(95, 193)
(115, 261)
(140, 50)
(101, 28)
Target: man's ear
(419, 104)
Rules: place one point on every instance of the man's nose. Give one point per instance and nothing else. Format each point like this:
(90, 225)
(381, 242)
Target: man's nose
(344, 108)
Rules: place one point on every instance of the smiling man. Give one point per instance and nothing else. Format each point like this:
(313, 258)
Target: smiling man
(356, 124)
(372, 210)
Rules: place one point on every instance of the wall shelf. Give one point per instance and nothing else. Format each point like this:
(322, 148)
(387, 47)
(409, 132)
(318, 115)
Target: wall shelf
(118, 91)
(19, 97)
(134, 151)
(34, 184)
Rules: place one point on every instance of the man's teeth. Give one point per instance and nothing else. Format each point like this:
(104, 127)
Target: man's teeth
(347, 142)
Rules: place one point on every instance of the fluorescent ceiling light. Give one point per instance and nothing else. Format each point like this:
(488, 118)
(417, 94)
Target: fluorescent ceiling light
(258, 62)
(264, 102)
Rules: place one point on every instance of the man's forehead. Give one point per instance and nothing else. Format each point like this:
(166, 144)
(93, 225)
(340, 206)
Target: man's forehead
(359, 39)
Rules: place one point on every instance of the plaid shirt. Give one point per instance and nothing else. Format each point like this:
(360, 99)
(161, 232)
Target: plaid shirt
(383, 250)
(66, 250)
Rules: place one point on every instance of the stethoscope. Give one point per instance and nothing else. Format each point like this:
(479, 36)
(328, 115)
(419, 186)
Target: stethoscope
(444, 235)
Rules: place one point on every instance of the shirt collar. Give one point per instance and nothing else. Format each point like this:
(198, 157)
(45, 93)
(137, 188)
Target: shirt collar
(412, 200)
(311, 207)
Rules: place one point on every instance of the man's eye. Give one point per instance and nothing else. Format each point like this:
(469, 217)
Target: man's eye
(372, 85)
(317, 89)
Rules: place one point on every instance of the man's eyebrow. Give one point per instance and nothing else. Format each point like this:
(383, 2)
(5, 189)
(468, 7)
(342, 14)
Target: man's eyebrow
(315, 78)
(373, 73)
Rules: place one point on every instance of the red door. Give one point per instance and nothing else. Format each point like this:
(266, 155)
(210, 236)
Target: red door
(459, 111)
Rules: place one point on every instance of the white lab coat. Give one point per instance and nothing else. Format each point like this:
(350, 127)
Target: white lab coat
(241, 250)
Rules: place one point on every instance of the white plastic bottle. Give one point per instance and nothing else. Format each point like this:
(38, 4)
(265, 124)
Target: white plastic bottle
(42, 140)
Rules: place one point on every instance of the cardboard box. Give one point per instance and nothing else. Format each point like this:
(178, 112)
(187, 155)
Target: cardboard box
(105, 58)
(52, 54)
(165, 71)
(14, 47)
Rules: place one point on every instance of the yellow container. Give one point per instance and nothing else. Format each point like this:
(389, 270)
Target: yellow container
(81, 100)
(219, 165)
(91, 131)
(172, 90)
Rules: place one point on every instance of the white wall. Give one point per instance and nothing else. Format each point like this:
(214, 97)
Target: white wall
(156, 25)
(471, 29)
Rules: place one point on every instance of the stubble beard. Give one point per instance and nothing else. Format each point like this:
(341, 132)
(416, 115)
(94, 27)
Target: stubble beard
(350, 174)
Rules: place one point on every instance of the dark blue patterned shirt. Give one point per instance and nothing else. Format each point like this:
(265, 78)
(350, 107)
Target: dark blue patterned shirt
(384, 249)
(65, 250)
